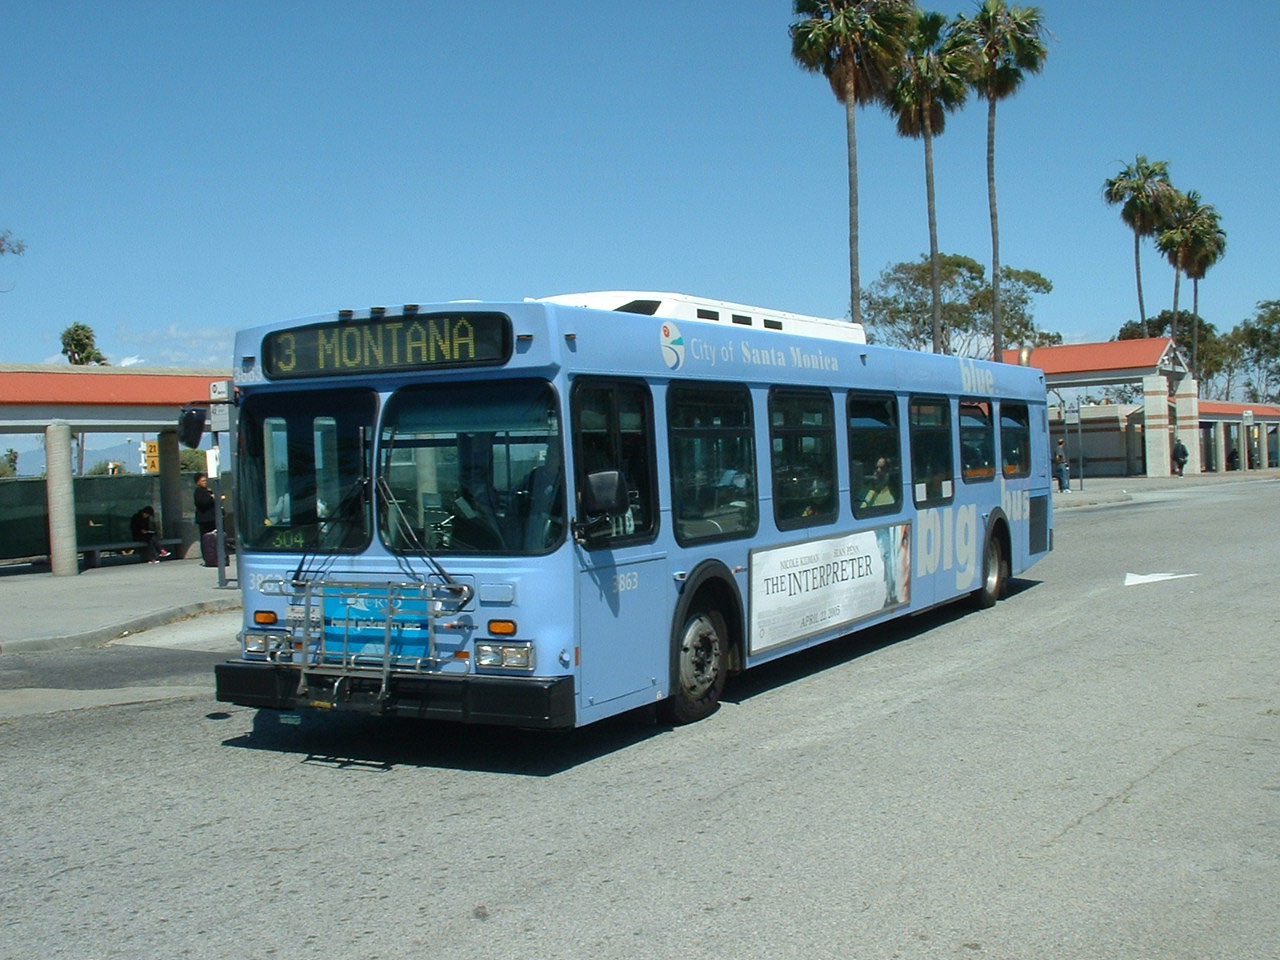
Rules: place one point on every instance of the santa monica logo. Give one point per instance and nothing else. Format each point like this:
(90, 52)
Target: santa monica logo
(672, 346)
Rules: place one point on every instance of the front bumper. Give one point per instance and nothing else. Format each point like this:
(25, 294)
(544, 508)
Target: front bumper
(520, 702)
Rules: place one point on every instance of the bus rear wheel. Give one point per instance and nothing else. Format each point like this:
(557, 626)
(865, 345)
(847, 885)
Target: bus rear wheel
(995, 573)
(698, 671)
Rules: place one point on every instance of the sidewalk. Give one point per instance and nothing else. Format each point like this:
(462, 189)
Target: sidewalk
(44, 612)
(1099, 490)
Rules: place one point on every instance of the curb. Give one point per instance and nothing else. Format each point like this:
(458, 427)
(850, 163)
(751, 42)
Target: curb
(101, 635)
(1080, 499)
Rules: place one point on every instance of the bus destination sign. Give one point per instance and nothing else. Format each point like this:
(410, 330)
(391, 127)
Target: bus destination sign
(388, 344)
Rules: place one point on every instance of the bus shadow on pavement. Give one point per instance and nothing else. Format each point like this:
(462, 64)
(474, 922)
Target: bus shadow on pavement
(359, 743)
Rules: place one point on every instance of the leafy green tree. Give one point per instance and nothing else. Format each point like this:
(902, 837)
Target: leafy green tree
(1019, 324)
(1260, 349)
(1221, 360)
(1145, 195)
(855, 44)
(192, 461)
(10, 244)
(79, 347)
(1008, 44)
(932, 80)
(9, 465)
(898, 306)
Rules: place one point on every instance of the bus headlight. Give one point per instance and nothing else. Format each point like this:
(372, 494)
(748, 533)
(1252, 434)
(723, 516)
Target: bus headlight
(261, 642)
(505, 656)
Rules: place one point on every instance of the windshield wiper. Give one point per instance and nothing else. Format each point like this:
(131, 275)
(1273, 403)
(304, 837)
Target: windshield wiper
(402, 526)
(350, 506)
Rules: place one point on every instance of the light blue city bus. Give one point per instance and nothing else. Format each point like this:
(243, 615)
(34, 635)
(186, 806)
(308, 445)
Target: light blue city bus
(548, 512)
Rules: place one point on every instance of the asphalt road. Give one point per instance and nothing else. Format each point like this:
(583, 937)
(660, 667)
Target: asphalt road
(1089, 770)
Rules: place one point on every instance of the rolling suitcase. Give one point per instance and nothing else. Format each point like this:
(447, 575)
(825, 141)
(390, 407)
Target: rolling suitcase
(209, 548)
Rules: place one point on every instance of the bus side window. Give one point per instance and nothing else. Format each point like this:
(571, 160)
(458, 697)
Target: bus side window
(932, 466)
(1015, 439)
(875, 454)
(802, 433)
(613, 430)
(977, 441)
(713, 463)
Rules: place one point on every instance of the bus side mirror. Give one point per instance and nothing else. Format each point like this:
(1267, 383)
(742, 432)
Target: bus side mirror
(605, 494)
(191, 426)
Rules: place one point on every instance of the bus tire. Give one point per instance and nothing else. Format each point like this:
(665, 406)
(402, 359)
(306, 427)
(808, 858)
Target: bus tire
(700, 658)
(995, 572)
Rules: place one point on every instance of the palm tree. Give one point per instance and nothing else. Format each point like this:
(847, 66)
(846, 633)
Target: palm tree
(1008, 44)
(855, 45)
(1208, 246)
(933, 79)
(1174, 241)
(1145, 195)
(1191, 240)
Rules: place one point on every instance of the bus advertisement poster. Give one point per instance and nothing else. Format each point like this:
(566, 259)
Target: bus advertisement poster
(819, 585)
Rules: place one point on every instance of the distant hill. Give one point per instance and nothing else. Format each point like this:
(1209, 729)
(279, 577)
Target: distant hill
(31, 462)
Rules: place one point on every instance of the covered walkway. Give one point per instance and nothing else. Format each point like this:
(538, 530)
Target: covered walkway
(1239, 436)
(62, 400)
(1170, 399)
(1129, 439)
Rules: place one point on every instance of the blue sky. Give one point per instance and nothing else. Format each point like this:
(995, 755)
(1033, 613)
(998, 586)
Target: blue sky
(180, 169)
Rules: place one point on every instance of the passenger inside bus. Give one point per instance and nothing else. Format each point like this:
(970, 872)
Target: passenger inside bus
(880, 489)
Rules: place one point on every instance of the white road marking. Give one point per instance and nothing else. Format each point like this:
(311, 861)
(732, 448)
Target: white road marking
(1134, 579)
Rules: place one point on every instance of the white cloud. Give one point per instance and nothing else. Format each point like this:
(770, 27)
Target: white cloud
(177, 344)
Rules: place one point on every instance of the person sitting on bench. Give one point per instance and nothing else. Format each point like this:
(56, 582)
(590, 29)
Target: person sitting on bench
(142, 527)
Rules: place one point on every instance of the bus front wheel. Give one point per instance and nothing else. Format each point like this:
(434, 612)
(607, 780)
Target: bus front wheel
(995, 573)
(698, 674)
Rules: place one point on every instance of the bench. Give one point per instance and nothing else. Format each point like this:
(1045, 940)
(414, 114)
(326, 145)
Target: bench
(93, 555)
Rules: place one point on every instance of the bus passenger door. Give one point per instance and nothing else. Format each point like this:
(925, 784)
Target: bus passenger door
(623, 626)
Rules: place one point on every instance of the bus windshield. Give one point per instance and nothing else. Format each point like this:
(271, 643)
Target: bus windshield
(303, 465)
(473, 468)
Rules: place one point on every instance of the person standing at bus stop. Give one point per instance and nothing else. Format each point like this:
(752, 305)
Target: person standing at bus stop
(1061, 468)
(206, 515)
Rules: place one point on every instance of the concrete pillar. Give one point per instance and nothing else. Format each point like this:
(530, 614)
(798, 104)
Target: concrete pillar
(63, 549)
(1220, 447)
(1186, 402)
(170, 483)
(1155, 432)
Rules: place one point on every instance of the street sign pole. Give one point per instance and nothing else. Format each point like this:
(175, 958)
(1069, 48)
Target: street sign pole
(1073, 416)
(220, 422)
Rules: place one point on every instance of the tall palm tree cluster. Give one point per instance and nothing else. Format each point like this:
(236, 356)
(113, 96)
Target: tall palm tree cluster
(1186, 230)
(920, 66)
